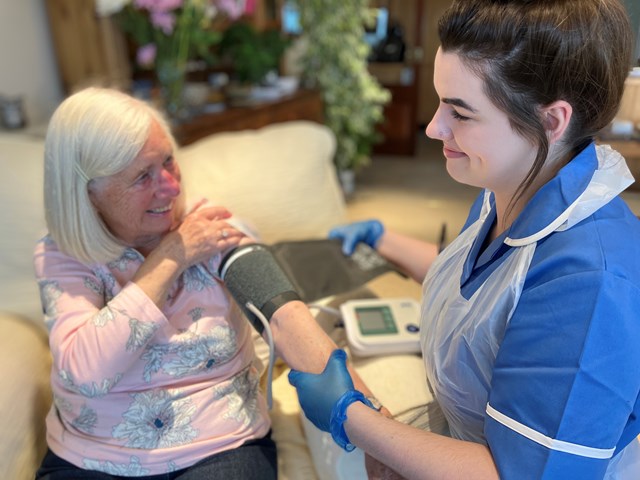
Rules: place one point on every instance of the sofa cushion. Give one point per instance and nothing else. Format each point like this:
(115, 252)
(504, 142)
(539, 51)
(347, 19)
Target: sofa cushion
(21, 222)
(280, 179)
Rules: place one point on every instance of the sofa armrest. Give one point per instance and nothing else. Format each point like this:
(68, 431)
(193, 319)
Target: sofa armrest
(25, 397)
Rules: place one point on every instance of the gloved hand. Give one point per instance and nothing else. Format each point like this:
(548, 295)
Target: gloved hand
(367, 231)
(324, 398)
(318, 393)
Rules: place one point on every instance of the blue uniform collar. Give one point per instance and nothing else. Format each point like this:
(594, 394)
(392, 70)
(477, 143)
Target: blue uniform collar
(544, 207)
(548, 203)
(590, 180)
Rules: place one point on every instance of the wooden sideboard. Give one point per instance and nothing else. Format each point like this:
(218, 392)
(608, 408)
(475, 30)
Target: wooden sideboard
(301, 105)
(399, 125)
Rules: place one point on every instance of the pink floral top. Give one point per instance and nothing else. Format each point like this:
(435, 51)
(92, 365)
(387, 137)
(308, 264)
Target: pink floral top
(139, 390)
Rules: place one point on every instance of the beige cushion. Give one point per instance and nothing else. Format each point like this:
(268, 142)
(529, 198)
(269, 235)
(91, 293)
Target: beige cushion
(279, 179)
(21, 222)
(25, 396)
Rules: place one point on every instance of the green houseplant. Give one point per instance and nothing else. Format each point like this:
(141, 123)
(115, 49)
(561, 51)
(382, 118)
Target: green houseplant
(336, 62)
(252, 54)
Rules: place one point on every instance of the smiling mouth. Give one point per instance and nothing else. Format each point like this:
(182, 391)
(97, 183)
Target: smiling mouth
(451, 152)
(160, 209)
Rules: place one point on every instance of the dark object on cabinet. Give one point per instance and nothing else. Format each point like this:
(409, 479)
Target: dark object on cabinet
(392, 47)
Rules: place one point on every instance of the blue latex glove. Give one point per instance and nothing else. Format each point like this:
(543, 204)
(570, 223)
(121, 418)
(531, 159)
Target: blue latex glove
(318, 393)
(367, 231)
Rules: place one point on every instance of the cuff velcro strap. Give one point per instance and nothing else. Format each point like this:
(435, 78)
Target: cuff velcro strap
(339, 416)
(270, 306)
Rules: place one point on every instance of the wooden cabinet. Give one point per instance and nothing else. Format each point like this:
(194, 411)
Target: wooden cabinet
(414, 100)
(400, 115)
(301, 105)
(89, 49)
(419, 19)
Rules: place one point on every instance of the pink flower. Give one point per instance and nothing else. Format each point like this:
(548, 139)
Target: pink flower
(146, 55)
(158, 6)
(232, 8)
(164, 21)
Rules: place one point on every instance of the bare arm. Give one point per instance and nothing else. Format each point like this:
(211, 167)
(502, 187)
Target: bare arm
(414, 453)
(303, 344)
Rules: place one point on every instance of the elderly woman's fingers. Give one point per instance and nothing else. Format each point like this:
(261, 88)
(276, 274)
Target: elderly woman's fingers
(212, 213)
(230, 234)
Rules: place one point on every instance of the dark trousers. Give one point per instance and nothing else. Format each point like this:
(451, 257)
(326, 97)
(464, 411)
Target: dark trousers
(254, 460)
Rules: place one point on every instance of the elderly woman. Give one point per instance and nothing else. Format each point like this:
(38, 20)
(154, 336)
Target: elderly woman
(154, 371)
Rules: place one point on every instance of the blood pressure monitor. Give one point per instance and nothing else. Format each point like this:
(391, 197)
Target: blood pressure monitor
(382, 326)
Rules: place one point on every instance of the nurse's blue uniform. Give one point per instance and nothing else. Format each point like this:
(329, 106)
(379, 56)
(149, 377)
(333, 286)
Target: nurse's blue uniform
(532, 344)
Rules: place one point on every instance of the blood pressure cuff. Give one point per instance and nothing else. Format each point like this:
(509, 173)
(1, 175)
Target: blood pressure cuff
(252, 274)
(307, 270)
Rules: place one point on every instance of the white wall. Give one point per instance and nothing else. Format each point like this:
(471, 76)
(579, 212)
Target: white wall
(27, 62)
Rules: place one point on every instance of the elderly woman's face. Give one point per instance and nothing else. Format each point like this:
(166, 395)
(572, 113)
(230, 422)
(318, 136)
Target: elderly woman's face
(138, 204)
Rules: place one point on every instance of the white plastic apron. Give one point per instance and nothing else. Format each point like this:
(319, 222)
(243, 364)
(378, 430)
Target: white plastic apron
(460, 338)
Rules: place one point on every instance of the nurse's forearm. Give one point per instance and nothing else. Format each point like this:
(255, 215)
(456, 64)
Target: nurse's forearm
(412, 256)
(414, 453)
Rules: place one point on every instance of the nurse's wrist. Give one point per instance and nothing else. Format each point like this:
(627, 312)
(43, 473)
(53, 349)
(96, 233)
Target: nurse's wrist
(339, 417)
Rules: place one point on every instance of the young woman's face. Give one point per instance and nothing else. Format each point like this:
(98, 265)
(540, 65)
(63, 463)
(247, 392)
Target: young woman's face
(139, 204)
(480, 146)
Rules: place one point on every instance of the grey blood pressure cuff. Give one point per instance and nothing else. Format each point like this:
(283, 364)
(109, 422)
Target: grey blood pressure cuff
(252, 274)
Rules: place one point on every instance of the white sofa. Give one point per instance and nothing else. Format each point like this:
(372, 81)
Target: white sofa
(280, 180)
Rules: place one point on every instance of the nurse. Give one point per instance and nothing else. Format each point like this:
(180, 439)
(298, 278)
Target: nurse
(531, 317)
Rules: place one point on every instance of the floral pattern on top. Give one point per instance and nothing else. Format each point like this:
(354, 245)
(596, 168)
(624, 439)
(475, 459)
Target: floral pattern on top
(50, 292)
(153, 356)
(89, 390)
(86, 421)
(128, 257)
(141, 333)
(157, 419)
(133, 469)
(240, 394)
(104, 316)
(197, 278)
(196, 313)
(108, 283)
(203, 352)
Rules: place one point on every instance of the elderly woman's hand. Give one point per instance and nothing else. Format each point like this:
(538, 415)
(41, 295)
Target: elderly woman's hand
(203, 233)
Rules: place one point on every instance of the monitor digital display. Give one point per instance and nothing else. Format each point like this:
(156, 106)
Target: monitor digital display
(376, 321)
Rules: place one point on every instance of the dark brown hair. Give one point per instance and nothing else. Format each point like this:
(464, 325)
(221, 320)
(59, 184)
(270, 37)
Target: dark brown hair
(530, 53)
